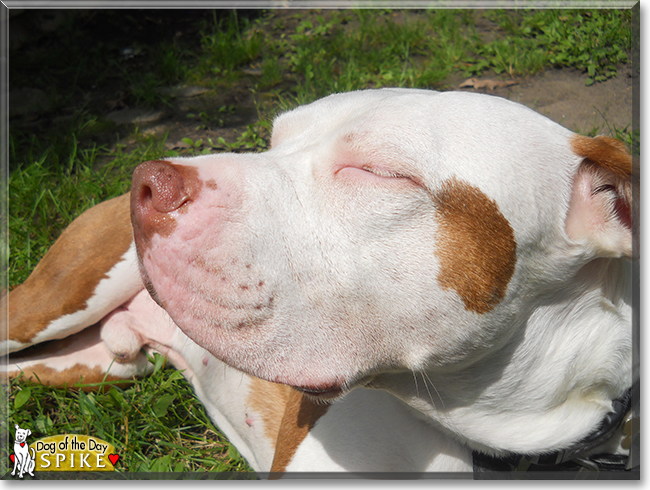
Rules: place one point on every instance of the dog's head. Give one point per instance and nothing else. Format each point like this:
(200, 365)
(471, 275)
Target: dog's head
(385, 231)
(22, 434)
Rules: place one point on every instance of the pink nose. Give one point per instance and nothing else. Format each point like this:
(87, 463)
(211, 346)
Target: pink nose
(158, 188)
(160, 185)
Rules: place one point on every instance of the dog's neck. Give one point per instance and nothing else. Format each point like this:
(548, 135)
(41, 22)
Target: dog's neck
(552, 383)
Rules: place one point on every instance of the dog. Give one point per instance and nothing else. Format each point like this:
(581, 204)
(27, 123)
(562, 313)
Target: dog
(23, 461)
(404, 281)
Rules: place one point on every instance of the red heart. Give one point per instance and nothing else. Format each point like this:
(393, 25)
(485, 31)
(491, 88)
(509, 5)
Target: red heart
(12, 458)
(113, 458)
(22, 444)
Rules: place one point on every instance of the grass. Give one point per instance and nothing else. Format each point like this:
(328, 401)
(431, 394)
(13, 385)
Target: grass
(156, 423)
(595, 42)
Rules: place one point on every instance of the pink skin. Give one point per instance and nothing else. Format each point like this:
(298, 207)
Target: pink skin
(214, 254)
(219, 296)
(137, 323)
(114, 345)
(219, 288)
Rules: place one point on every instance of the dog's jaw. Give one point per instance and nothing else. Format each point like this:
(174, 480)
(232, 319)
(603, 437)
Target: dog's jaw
(541, 391)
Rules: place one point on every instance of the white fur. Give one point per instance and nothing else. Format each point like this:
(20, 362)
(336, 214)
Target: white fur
(371, 431)
(340, 269)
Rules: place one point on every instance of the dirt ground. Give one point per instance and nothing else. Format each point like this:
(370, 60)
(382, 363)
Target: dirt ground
(563, 96)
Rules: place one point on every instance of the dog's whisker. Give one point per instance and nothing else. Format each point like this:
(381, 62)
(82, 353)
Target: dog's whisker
(425, 378)
(417, 389)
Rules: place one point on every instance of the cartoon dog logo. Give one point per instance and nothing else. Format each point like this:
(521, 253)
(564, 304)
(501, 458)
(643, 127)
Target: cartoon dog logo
(23, 461)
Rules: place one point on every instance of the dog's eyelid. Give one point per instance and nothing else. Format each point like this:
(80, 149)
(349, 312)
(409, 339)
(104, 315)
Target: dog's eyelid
(376, 165)
(356, 152)
(384, 172)
(377, 174)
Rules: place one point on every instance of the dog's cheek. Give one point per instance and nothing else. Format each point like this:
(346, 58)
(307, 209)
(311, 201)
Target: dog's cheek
(475, 246)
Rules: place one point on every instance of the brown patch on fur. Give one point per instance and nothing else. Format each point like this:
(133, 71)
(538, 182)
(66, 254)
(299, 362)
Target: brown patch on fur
(476, 246)
(269, 400)
(300, 416)
(42, 374)
(67, 276)
(604, 151)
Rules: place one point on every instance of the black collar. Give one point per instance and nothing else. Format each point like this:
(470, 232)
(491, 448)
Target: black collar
(574, 457)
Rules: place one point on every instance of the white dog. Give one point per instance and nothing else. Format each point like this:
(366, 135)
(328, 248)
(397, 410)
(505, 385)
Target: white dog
(23, 461)
(405, 279)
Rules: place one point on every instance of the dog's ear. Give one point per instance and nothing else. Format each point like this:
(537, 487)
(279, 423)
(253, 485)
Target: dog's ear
(601, 212)
(29, 432)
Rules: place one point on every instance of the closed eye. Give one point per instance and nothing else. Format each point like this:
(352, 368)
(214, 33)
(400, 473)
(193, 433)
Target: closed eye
(380, 172)
(371, 173)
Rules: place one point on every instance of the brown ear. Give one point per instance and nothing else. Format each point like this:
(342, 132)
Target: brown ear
(601, 213)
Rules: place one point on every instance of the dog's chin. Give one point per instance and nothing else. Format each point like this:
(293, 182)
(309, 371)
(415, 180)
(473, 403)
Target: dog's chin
(323, 396)
(334, 392)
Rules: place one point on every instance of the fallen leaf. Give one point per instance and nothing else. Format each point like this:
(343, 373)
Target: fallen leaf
(488, 84)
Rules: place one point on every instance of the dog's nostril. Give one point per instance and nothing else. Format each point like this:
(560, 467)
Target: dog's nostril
(159, 185)
(145, 194)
